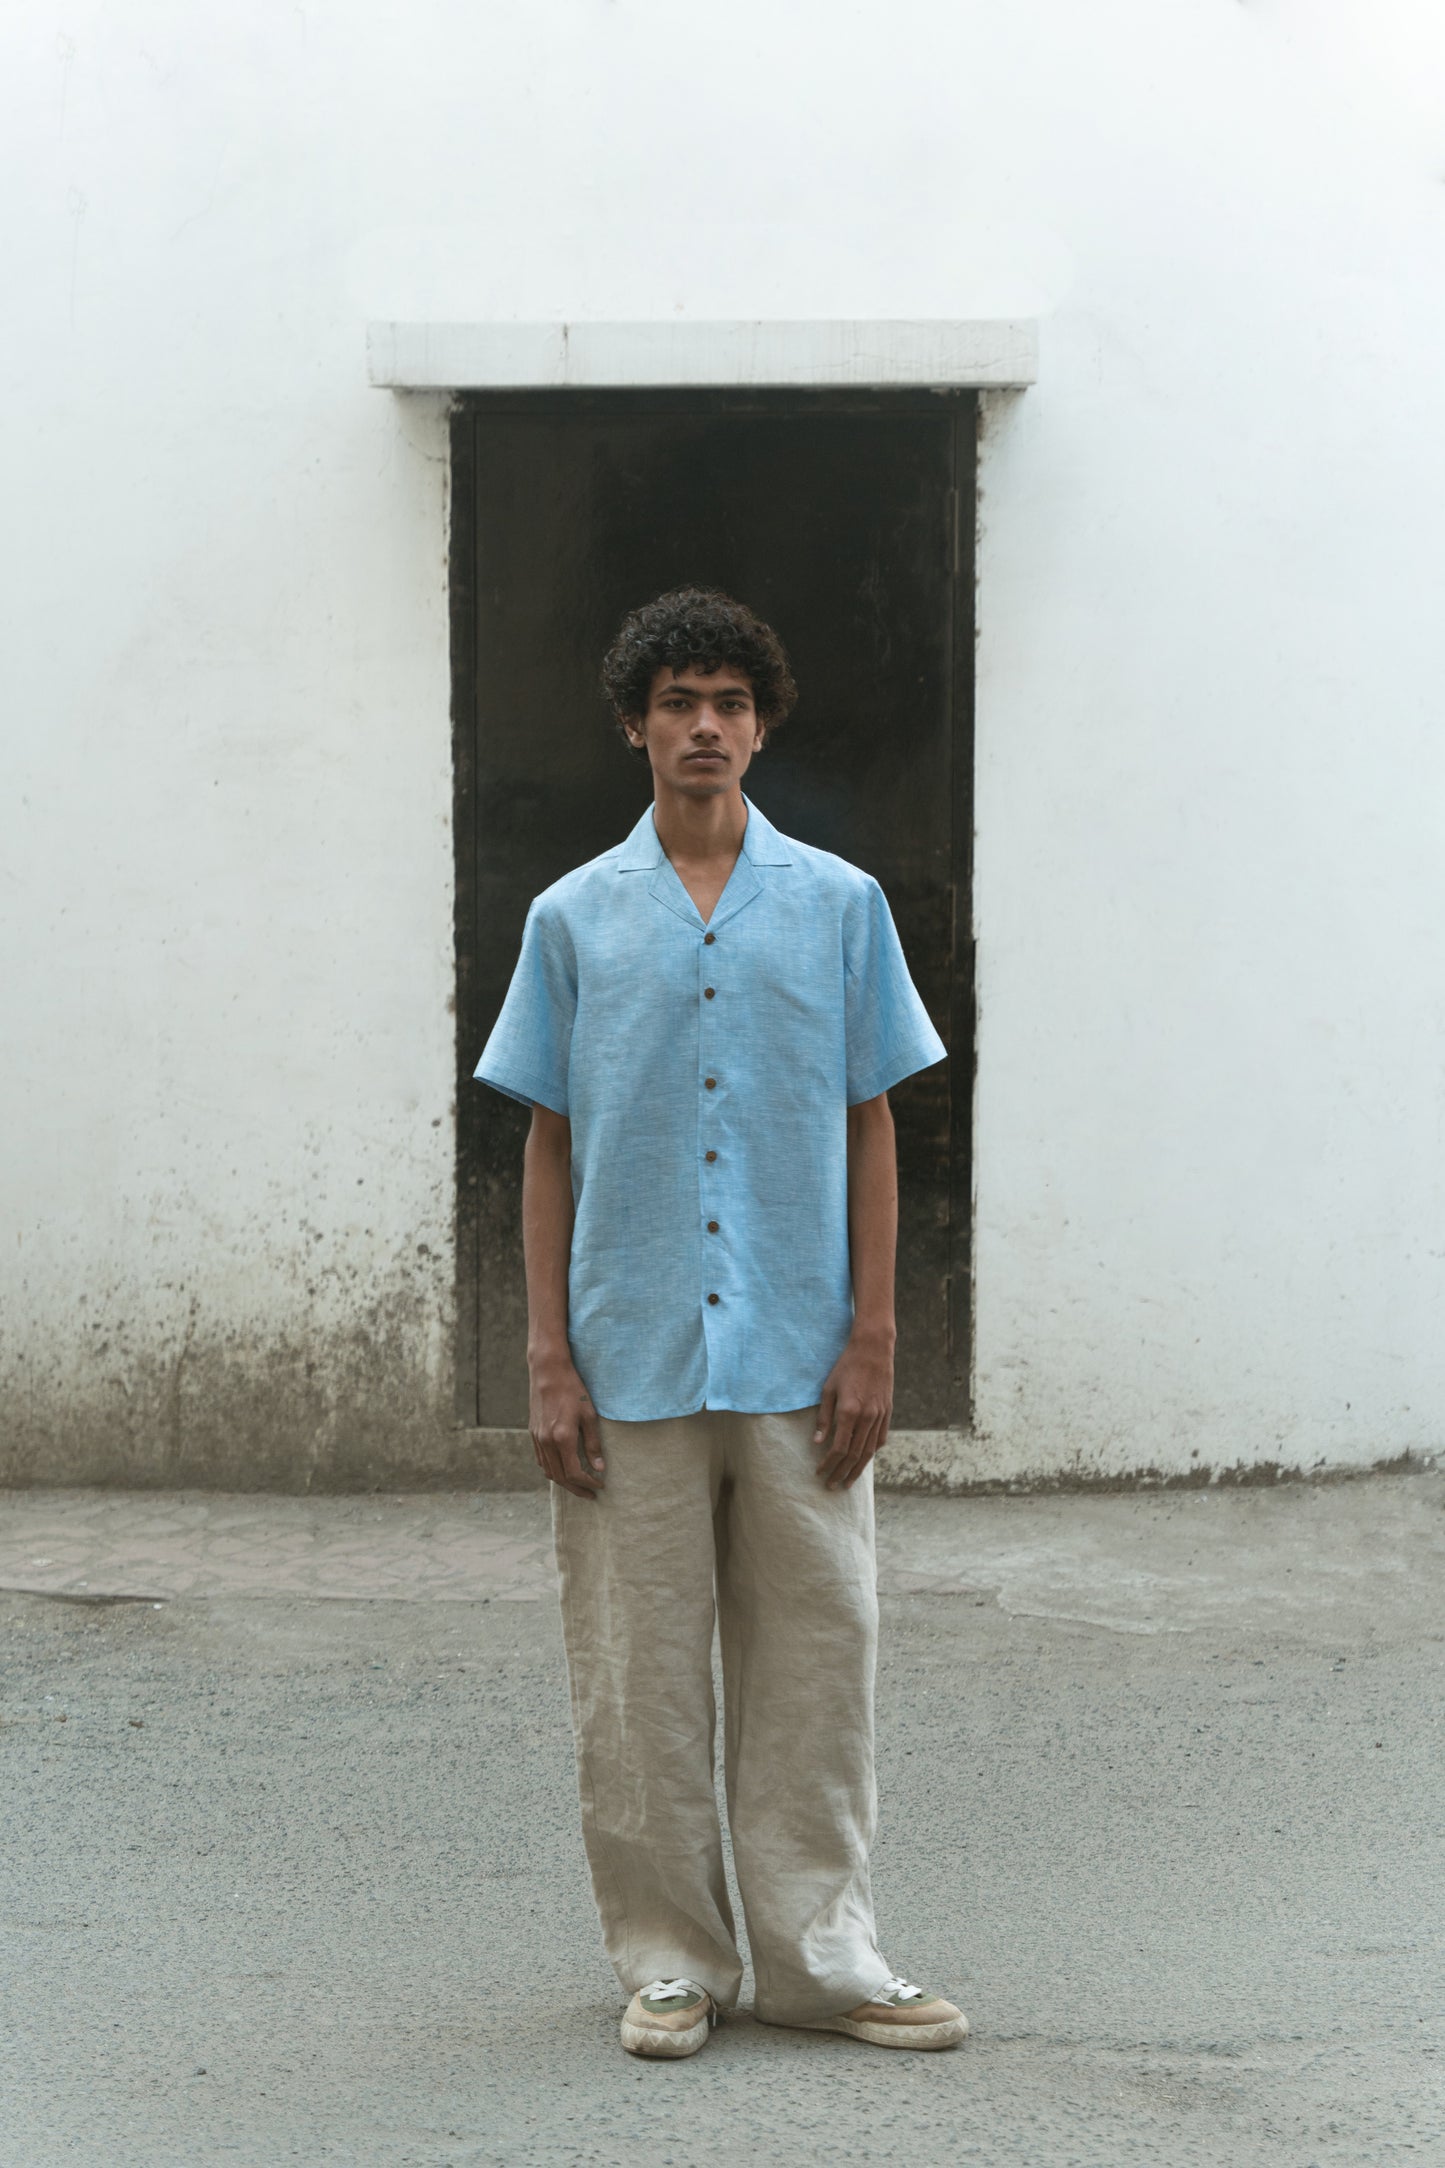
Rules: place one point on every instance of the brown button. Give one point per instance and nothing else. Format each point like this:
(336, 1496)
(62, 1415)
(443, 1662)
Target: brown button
(712, 1227)
(708, 940)
(711, 1083)
(712, 1298)
(710, 1156)
(708, 992)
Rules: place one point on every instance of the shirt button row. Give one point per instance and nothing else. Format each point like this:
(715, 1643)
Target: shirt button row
(710, 994)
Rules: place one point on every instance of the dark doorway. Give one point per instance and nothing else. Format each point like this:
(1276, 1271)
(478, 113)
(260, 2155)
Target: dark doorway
(847, 521)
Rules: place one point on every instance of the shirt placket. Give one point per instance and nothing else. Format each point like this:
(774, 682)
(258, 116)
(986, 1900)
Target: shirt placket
(712, 1090)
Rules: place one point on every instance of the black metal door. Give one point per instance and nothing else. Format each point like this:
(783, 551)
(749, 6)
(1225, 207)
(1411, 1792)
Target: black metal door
(845, 521)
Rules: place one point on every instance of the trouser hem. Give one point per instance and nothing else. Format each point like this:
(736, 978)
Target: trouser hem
(725, 1998)
(829, 2002)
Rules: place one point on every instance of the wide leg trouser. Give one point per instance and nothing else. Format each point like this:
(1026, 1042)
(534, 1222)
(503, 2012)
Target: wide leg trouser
(731, 1503)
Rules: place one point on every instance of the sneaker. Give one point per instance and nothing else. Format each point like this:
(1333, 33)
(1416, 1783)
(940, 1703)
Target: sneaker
(899, 2015)
(671, 2017)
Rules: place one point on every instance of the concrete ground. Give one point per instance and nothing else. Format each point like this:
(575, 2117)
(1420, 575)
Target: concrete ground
(291, 1870)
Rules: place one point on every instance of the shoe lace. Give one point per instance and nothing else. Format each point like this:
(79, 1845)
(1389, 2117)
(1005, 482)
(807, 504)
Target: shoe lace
(903, 1989)
(664, 1990)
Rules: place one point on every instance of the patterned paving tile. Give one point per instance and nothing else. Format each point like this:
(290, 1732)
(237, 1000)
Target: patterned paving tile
(456, 1547)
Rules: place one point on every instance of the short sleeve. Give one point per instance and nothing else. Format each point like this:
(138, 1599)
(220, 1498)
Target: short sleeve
(888, 1030)
(531, 1042)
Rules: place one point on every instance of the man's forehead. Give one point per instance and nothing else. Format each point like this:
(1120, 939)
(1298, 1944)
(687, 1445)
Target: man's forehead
(695, 677)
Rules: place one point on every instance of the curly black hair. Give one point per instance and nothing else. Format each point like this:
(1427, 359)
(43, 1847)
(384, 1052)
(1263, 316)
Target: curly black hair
(697, 628)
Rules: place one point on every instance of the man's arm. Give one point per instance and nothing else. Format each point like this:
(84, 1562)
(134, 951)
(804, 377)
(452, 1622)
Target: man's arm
(857, 1402)
(561, 1416)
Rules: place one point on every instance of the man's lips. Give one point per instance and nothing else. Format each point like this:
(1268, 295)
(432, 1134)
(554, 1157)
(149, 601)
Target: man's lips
(712, 758)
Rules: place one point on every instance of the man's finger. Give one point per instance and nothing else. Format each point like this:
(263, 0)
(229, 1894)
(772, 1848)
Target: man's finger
(592, 1437)
(865, 1445)
(576, 1469)
(843, 1423)
(574, 1489)
(826, 1406)
(845, 1430)
(863, 1448)
(549, 1453)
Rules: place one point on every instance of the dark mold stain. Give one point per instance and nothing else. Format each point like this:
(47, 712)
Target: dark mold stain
(1243, 1475)
(299, 1406)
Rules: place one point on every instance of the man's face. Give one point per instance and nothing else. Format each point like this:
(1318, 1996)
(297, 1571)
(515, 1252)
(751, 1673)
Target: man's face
(700, 730)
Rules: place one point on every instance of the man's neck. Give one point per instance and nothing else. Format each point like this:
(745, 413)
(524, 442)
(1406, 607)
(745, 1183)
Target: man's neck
(700, 831)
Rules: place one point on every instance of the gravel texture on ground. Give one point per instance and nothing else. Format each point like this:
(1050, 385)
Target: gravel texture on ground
(290, 1871)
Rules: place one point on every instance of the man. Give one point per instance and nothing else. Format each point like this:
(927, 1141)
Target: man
(706, 1022)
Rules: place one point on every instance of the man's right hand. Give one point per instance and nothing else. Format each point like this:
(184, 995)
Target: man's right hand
(565, 1433)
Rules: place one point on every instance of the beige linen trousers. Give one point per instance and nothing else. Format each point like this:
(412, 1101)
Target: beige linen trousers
(724, 1515)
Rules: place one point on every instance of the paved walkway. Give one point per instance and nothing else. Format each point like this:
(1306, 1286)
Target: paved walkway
(289, 1869)
(1136, 1563)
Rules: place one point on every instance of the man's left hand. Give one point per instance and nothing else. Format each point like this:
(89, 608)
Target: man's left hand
(857, 1406)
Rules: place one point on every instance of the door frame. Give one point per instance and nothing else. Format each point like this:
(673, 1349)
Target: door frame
(467, 931)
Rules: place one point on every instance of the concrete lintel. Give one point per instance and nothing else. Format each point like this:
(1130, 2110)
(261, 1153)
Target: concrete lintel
(596, 356)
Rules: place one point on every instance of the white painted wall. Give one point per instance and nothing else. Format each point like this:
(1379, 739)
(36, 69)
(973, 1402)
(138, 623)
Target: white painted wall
(1212, 942)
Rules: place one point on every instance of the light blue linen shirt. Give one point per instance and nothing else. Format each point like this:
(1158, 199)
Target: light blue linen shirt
(706, 1071)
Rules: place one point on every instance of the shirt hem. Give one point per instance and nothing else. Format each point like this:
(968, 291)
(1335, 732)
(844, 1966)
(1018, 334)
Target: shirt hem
(890, 1073)
(522, 1089)
(787, 1406)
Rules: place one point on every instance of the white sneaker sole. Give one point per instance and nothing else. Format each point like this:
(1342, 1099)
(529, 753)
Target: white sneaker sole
(657, 2044)
(944, 2035)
